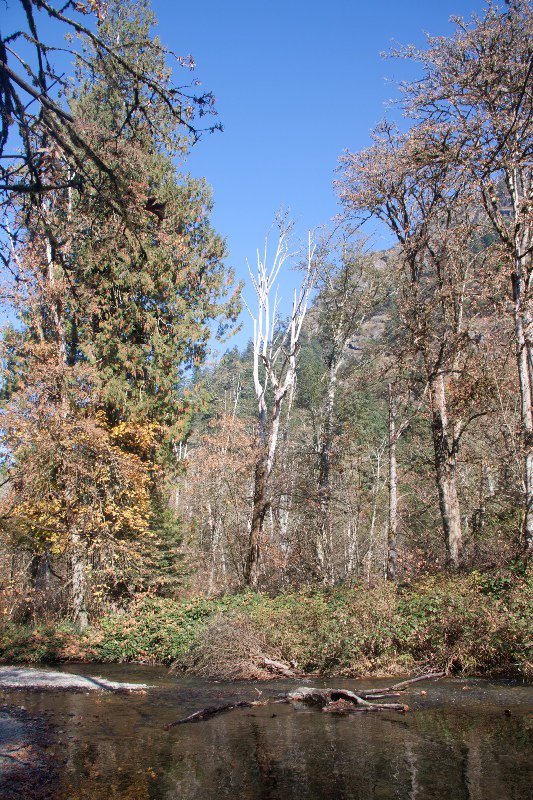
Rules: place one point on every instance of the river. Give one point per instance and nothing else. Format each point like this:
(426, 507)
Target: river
(464, 739)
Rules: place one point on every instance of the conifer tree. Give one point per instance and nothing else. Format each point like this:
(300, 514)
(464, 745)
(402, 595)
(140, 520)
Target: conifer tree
(113, 316)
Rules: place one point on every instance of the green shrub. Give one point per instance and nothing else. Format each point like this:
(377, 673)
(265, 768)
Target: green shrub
(474, 624)
(21, 644)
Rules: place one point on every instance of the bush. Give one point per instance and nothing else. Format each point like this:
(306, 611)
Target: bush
(231, 647)
(21, 644)
(473, 625)
(455, 624)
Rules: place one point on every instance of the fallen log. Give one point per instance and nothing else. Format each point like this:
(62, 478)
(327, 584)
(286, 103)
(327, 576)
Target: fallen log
(325, 698)
(330, 700)
(392, 691)
(210, 711)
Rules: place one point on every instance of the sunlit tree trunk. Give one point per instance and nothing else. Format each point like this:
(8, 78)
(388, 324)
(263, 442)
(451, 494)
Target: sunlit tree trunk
(375, 494)
(523, 324)
(392, 547)
(445, 447)
(79, 580)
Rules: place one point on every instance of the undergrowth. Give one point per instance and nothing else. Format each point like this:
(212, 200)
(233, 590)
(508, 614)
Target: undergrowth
(472, 625)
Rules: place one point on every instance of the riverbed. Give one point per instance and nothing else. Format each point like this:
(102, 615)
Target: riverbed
(466, 739)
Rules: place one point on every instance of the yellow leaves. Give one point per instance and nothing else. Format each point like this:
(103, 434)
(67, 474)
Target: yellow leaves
(136, 437)
(100, 418)
(71, 471)
(79, 475)
(40, 520)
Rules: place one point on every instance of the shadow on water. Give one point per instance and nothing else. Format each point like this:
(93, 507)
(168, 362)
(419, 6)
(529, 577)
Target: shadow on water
(456, 744)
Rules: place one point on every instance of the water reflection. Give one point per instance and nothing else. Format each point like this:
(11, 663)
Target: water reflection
(312, 755)
(465, 749)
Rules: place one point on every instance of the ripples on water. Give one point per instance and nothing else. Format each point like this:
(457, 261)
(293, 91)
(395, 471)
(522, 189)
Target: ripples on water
(455, 743)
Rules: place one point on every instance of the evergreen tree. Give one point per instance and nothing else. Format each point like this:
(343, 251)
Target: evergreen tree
(114, 317)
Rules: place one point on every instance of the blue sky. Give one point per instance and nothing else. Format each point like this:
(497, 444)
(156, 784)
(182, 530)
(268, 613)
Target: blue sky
(296, 83)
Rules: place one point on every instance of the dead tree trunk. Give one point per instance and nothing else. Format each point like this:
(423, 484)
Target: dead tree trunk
(275, 354)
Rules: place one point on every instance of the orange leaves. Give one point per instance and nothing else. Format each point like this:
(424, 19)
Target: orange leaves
(136, 437)
(71, 472)
(226, 446)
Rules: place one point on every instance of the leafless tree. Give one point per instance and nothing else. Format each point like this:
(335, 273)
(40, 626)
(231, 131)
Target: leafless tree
(275, 350)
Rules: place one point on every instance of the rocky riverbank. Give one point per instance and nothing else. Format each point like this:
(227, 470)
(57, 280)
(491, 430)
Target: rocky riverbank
(27, 767)
(42, 679)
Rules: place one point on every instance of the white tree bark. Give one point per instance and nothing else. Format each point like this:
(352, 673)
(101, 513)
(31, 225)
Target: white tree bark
(276, 352)
(445, 447)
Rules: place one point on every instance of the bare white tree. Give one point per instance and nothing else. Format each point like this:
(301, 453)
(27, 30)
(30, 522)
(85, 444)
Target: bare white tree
(275, 351)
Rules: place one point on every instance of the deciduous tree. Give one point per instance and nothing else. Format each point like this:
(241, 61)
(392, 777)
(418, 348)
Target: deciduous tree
(476, 88)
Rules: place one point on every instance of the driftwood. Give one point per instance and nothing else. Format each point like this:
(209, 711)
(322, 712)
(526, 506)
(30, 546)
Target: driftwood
(337, 701)
(279, 667)
(325, 697)
(399, 687)
(210, 711)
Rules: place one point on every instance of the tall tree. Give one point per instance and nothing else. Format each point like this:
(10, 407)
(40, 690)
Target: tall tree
(126, 309)
(427, 206)
(477, 89)
(275, 350)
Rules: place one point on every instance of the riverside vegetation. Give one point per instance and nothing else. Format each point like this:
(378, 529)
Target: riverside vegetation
(471, 625)
(353, 492)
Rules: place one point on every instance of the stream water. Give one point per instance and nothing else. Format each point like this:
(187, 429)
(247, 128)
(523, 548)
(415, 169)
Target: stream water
(466, 740)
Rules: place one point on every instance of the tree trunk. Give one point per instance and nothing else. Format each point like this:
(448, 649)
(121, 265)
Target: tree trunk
(352, 551)
(260, 508)
(445, 447)
(77, 554)
(79, 581)
(267, 445)
(524, 353)
(285, 500)
(40, 572)
(392, 551)
(375, 492)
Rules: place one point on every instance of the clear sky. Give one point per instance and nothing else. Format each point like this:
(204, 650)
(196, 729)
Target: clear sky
(296, 83)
